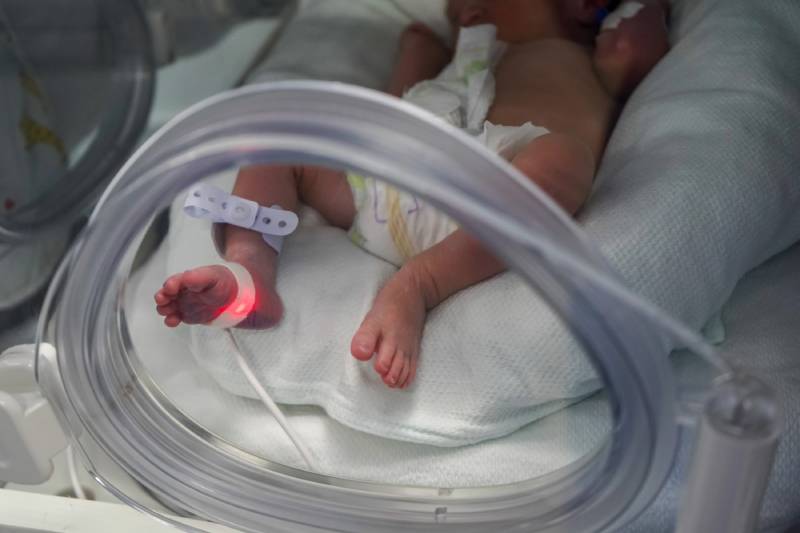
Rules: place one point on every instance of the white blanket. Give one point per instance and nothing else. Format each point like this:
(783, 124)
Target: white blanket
(763, 324)
(551, 443)
(489, 364)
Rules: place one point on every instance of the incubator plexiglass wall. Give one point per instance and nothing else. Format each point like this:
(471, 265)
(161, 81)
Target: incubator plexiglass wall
(78, 95)
(585, 444)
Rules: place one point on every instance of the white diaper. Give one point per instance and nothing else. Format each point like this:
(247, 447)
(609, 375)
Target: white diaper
(395, 225)
(463, 92)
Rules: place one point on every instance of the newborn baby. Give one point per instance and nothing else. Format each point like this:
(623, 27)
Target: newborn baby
(558, 82)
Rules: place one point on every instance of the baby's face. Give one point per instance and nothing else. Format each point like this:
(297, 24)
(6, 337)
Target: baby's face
(516, 20)
(519, 21)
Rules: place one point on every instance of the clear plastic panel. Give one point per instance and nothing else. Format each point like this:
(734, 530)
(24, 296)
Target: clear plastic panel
(148, 405)
(83, 74)
(77, 79)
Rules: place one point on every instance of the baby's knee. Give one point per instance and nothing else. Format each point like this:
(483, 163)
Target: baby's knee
(561, 165)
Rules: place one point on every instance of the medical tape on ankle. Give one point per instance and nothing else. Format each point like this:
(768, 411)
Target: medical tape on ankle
(625, 11)
(212, 203)
(244, 302)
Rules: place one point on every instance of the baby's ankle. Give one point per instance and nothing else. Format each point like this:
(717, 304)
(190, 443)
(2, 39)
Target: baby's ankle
(259, 260)
(416, 276)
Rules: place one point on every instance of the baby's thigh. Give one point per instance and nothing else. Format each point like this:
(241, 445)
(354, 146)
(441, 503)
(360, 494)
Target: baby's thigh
(327, 191)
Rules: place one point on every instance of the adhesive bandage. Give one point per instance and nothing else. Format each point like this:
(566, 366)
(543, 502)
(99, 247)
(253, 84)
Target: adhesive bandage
(244, 302)
(625, 11)
(274, 223)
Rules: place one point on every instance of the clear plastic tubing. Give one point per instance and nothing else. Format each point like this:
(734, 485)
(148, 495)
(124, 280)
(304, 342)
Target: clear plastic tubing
(346, 127)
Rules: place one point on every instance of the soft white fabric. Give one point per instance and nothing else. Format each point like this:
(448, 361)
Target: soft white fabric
(624, 11)
(168, 356)
(763, 324)
(463, 92)
(470, 385)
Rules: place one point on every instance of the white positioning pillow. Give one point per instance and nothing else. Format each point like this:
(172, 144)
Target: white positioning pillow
(699, 184)
(352, 41)
(701, 179)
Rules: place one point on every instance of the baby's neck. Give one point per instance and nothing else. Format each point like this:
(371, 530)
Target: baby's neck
(554, 26)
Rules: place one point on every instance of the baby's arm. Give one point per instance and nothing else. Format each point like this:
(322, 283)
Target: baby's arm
(421, 55)
(560, 164)
(624, 55)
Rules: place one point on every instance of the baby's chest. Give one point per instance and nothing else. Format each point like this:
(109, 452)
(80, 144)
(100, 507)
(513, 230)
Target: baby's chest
(548, 86)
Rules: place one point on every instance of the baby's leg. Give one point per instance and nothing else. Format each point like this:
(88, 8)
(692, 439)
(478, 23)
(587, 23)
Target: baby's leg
(392, 329)
(560, 164)
(199, 295)
(625, 55)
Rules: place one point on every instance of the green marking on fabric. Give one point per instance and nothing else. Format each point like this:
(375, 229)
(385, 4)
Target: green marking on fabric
(357, 237)
(474, 67)
(357, 181)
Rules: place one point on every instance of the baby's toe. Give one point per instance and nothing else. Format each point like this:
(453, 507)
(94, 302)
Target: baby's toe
(200, 279)
(383, 363)
(399, 362)
(412, 371)
(161, 298)
(172, 286)
(404, 373)
(168, 309)
(172, 321)
(365, 341)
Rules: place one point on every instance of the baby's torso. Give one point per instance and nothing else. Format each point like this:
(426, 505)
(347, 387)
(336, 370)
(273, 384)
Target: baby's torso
(552, 83)
(504, 95)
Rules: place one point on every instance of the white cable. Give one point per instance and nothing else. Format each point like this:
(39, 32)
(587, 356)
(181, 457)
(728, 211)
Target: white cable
(267, 401)
(73, 474)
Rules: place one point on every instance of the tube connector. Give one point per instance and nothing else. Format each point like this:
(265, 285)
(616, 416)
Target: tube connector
(736, 441)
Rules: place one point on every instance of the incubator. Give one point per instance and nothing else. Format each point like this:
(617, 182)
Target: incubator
(547, 402)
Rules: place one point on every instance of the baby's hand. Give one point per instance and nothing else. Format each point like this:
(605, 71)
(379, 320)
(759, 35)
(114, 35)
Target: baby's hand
(421, 38)
(196, 296)
(630, 47)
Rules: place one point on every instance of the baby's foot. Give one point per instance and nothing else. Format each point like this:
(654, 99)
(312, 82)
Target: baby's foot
(393, 329)
(200, 295)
